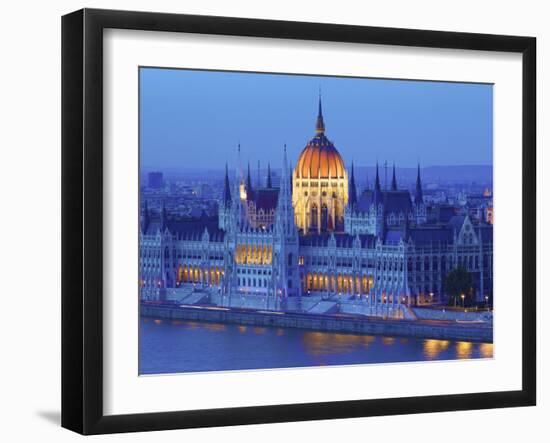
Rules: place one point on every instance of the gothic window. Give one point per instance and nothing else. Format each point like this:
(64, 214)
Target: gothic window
(324, 218)
(314, 211)
(290, 259)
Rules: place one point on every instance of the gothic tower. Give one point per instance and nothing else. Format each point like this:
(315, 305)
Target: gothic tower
(286, 240)
(419, 206)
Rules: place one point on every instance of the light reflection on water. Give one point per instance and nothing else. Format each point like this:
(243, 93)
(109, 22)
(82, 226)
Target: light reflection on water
(486, 350)
(193, 346)
(463, 349)
(432, 348)
(322, 343)
(215, 327)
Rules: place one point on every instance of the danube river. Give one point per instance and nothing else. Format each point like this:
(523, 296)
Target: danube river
(171, 346)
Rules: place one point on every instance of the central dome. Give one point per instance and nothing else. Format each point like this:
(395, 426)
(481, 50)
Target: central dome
(320, 159)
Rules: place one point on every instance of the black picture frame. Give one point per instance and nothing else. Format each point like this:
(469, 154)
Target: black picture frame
(82, 215)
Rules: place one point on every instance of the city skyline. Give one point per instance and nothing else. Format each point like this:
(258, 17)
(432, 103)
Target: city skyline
(434, 123)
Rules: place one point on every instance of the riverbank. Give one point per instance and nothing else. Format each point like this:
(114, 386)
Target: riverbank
(319, 322)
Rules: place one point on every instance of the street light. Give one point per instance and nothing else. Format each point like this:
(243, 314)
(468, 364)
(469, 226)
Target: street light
(486, 301)
(462, 296)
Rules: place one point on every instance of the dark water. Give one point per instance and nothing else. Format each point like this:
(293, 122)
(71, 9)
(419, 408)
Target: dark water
(168, 346)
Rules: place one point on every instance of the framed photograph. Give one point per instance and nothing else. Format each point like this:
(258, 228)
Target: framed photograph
(269, 221)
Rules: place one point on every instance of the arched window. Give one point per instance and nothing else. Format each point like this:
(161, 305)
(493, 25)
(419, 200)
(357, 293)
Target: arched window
(314, 215)
(324, 217)
(290, 259)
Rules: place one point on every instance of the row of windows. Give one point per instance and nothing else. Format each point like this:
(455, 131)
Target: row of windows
(324, 194)
(252, 282)
(254, 271)
(314, 184)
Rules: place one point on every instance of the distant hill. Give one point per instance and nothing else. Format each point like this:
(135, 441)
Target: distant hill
(405, 176)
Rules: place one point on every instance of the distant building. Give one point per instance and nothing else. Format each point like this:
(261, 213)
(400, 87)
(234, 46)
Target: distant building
(155, 180)
(314, 234)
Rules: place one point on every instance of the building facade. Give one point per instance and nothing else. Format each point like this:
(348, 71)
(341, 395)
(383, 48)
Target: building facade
(315, 235)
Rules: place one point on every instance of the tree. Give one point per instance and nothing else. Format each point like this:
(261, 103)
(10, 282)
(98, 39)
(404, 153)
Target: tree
(458, 282)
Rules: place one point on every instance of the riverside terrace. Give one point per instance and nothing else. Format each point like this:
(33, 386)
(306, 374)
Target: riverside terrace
(473, 327)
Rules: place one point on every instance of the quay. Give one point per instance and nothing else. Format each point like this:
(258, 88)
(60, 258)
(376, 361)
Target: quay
(344, 323)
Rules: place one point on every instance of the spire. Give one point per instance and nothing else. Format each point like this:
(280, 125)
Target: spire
(248, 180)
(377, 196)
(394, 180)
(163, 216)
(226, 196)
(352, 188)
(236, 204)
(285, 213)
(418, 199)
(146, 219)
(290, 177)
(258, 180)
(238, 170)
(268, 175)
(320, 126)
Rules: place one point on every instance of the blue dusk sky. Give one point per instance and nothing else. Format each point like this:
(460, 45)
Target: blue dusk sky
(194, 119)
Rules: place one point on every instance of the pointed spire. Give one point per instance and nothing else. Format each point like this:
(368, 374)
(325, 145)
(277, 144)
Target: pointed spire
(248, 180)
(238, 170)
(367, 182)
(418, 198)
(268, 185)
(163, 216)
(352, 188)
(226, 196)
(146, 219)
(394, 180)
(377, 196)
(320, 126)
(258, 180)
(285, 213)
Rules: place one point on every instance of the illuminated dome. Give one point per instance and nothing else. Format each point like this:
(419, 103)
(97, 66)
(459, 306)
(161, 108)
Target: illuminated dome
(320, 159)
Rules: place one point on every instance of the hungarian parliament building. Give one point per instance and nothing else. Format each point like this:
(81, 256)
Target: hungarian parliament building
(316, 236)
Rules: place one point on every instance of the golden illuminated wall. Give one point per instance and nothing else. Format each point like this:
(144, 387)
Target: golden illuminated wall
(313, 197)
(246, 254)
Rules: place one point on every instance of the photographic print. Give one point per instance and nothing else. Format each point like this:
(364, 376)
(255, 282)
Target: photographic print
(294, 221)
